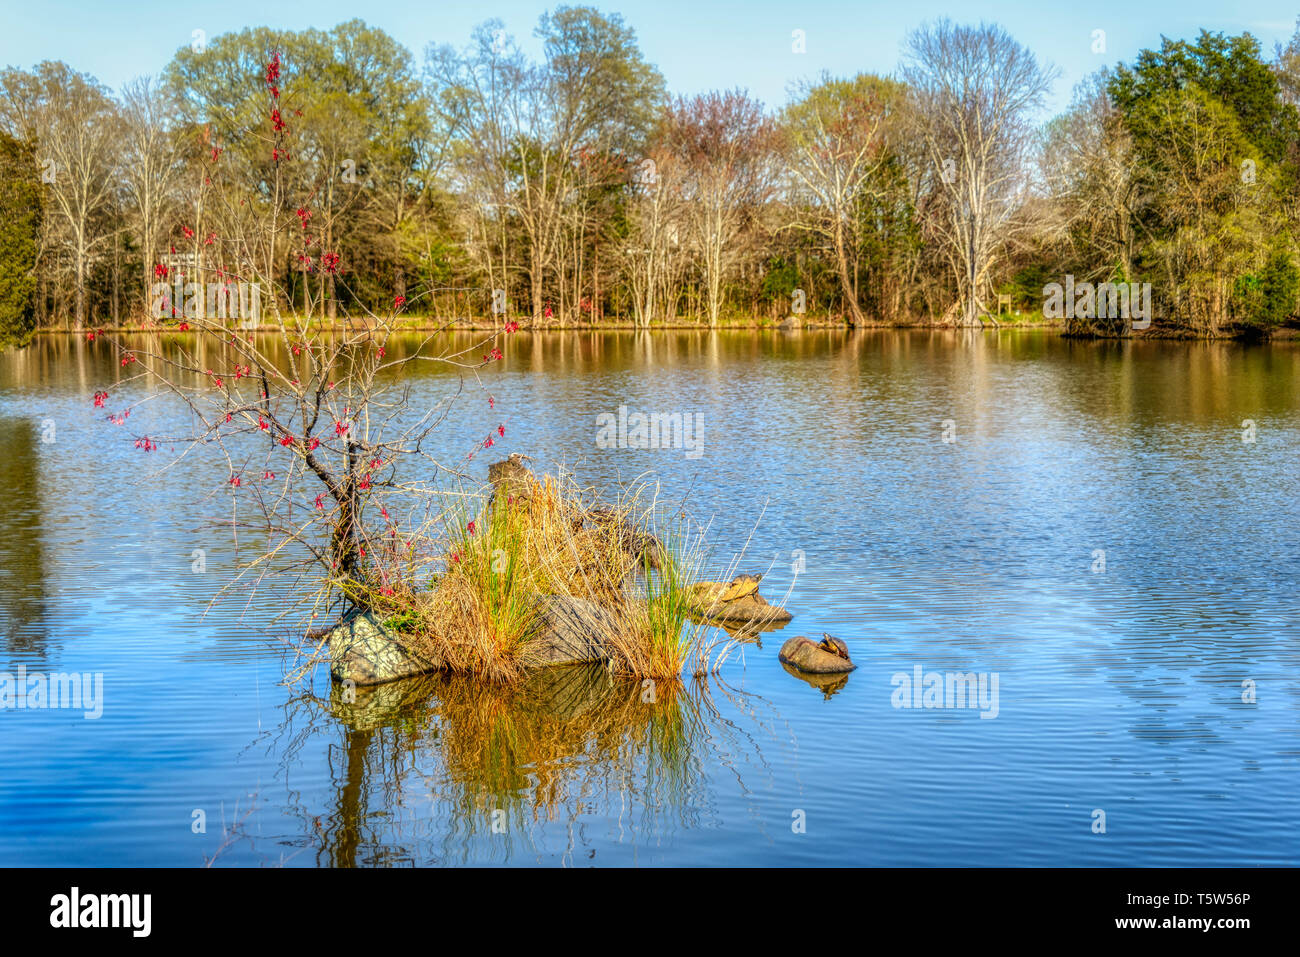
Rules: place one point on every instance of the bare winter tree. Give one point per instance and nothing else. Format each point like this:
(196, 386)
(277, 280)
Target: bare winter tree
(1286, 67)
(471, 91)
(835, 138)
(975, 94)
(77, 129)
(151, 166)
(543, 138)
(315, 425)
(655, 247)
(1086, 165)
(725, 142)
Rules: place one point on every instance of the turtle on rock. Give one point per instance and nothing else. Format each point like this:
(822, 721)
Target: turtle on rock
(829, 656)
(719, 593)
(740, 586)
(834, 645)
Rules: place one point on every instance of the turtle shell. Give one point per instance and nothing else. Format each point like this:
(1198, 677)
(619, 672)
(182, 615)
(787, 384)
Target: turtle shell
(740, 586)
(835, 646)
(708, 593)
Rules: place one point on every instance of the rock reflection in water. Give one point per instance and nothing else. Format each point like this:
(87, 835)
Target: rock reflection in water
(747, 632)
(827, 684)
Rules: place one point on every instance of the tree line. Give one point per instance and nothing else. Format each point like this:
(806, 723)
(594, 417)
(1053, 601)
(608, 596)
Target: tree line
(475, 181)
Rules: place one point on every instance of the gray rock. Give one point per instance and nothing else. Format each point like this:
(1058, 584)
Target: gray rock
(570, 630)
(366, 652)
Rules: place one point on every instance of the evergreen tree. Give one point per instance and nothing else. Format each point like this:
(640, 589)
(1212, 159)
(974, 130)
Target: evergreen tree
(20, 222)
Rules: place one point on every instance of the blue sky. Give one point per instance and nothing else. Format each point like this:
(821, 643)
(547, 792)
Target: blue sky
(698, 44)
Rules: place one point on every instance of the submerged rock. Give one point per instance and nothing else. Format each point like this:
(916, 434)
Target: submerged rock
(829, 657)
(747, 631)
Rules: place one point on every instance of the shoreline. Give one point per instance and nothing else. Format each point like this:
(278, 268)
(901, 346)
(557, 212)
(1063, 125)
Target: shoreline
(1053, 326)
(427, 324)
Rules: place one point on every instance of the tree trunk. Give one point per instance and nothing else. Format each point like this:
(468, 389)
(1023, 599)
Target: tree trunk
(846, 284)
(79, 317)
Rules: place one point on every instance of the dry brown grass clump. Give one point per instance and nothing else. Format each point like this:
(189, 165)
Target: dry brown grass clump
(528, 538)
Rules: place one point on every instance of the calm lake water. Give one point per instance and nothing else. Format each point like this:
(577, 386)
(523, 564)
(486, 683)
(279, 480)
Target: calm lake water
(949, 497)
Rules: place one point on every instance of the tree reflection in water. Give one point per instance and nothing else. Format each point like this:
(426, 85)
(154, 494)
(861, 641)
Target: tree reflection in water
(23, 565)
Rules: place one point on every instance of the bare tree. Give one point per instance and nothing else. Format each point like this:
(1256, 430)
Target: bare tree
(77, 129)
(151, 166)
(655, 245)
(314, 424)
(835, 146)
(1286, 67)
(725, 142)
(471, 91)
(1086, 164)
(975, 92)
(541, 138)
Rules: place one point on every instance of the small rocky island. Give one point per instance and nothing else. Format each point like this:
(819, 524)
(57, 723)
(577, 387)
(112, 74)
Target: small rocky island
(542, 579)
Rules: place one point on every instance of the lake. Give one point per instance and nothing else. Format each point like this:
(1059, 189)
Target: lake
(1103, 533)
